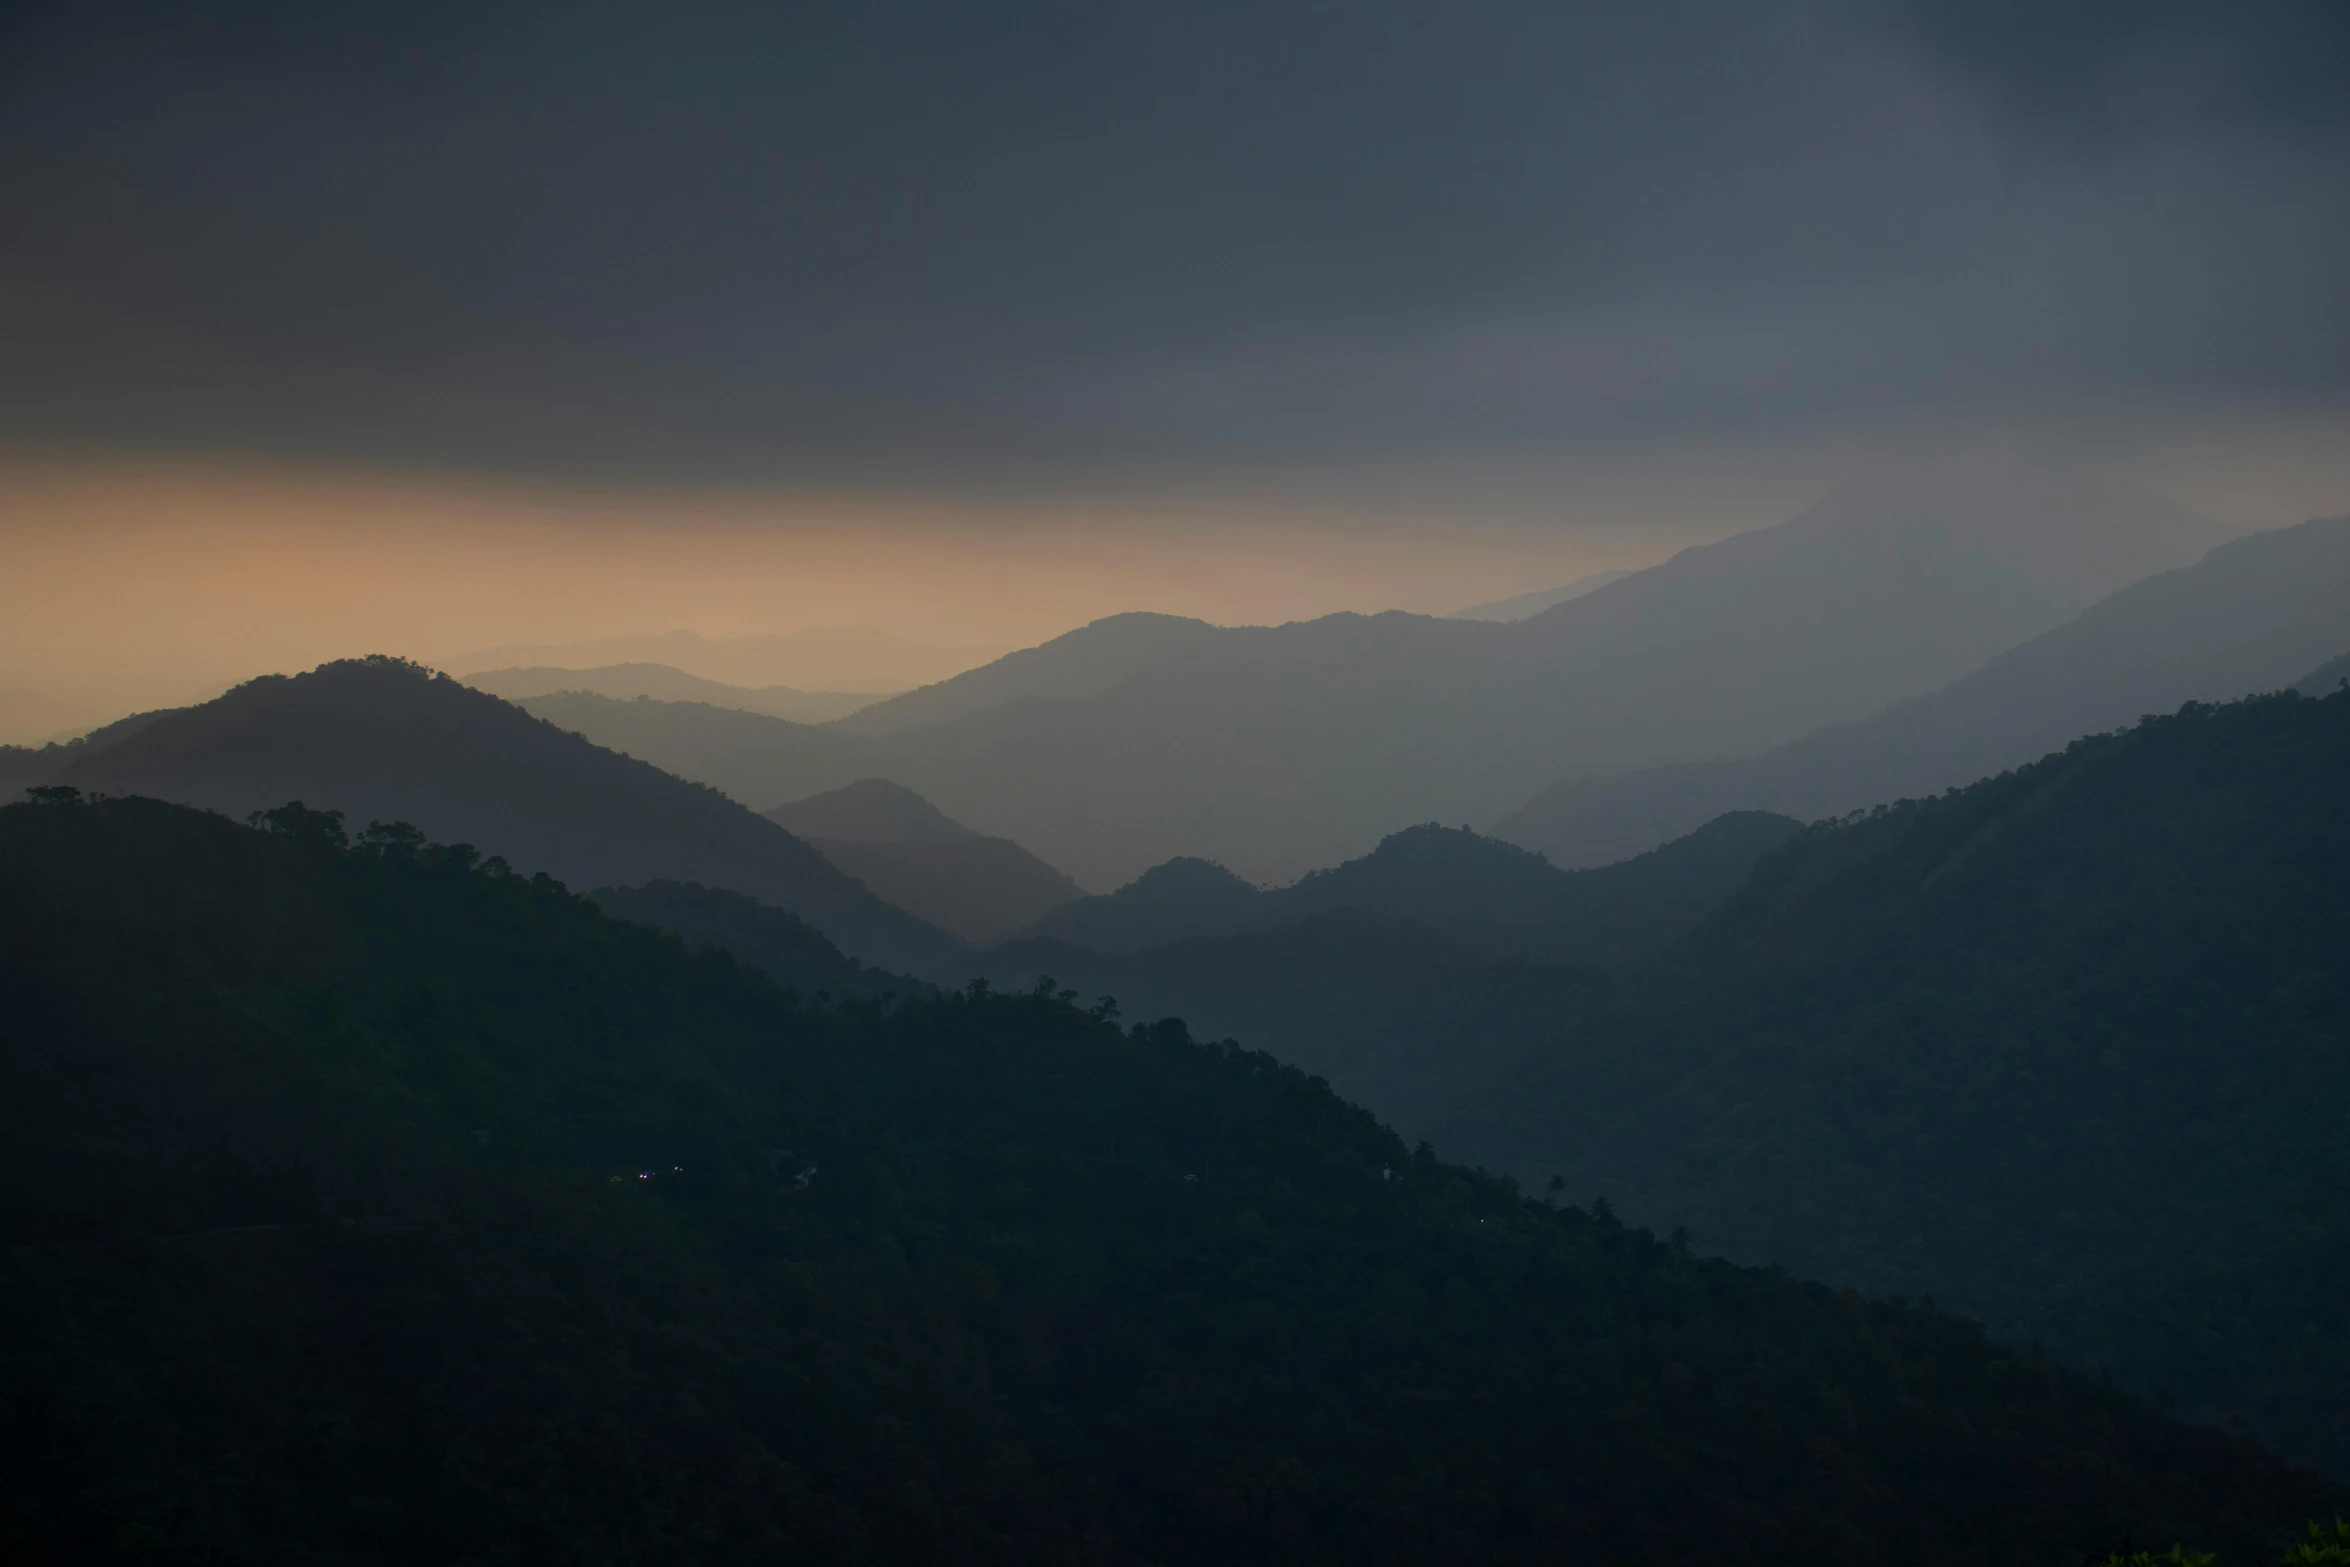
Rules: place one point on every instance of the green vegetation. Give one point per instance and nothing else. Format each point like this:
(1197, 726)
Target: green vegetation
(371, 1202)
(2322, 1548)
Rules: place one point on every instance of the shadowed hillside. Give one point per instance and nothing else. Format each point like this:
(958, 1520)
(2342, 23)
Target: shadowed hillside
(2326, 679)
(1484, 895)
(2252, 616)
(372, 1203)
(1272, 750)
(905, 849)
(2048, 1048)
(785, 947)
(380, 739)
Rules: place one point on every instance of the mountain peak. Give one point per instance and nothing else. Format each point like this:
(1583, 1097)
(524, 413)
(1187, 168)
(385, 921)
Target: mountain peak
(871, 810)
(383, 738)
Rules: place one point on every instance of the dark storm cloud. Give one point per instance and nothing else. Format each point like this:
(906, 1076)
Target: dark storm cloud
(875, 240)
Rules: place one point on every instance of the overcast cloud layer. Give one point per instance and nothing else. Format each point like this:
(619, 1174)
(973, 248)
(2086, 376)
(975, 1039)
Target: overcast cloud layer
(944, 243)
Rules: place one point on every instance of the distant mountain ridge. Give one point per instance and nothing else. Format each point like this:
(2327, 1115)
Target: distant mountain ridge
(2049, 1049)
(1522, 605)
(383, 739)
(871, 810)
(2326, 679)
(1276, 749)
(1480, 893)
(2253, 615)
(818, 658)
(906, 850)
(660, 681)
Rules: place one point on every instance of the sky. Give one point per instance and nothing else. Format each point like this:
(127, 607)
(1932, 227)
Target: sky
(459, 324)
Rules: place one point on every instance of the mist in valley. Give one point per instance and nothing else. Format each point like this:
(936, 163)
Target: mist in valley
(1175, 784)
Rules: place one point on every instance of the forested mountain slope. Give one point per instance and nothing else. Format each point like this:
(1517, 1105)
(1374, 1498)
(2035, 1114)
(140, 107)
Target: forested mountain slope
(376, 1205)
(785, 947)
(2254, 615)
(2052, 1048)
(377, 738)
(912, 854)
(1484, 895)
(1276, 749)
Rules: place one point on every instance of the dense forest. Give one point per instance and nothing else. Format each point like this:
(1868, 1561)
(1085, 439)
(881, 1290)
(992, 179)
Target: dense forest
(2049, 1049)
(367, 1201)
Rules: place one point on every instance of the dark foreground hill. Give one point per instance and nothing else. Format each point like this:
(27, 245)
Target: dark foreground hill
(921, 860)
(381, 739)
(378, 1205)
(1484, 895)
(785, 947)
(2254, 615)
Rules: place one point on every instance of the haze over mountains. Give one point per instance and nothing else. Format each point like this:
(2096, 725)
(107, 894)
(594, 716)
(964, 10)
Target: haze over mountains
(1274, 750)
(452, 1217)
(906, 850)
(381, 740)
(971, 868)
(817, 658)
(2254, 615)
(1522, 605)
(2045, 1049)
(671, 685)
(1477, 893)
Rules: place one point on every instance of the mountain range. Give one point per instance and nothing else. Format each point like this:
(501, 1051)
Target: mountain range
(816, 658)
(2255, 614)
(912, 854)
(2048, 1049)
(1479, 893)
(671, 685)
(366, 1201)
(379, 739)
(1522, 605)
(1274, 750)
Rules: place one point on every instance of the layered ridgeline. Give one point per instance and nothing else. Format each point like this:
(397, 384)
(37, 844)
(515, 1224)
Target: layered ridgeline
(373, 1204)
(2054, 1049)
(671, 685)
(914, 855)
(1273, 750)
(1523, 606)
(381, 739)
(2254, 615)
(1478, 893)
(813, 659)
